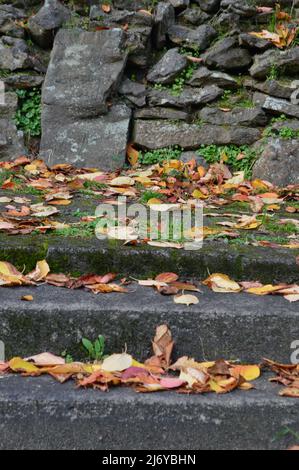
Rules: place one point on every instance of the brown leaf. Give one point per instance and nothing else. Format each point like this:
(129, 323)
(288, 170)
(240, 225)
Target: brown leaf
(167, 277)
(132, 155)
(91, 279)
(106, 288)
(58, 280)
(163, 345)
(106, 7)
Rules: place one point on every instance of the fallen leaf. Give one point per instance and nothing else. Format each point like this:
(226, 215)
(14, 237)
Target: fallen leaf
(222, 283)
(27, 298)
(248, 372)
(117, 362)
(163, 345)
(122, 181)
(167, 277)
(186, 299)
(17, 364)
(132, 154)
(41, 271)
(106, 7)
(46, 359)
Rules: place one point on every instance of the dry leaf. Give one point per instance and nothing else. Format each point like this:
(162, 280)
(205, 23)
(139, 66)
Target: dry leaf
(117, 362)
(27, 298)
(41, 271)
(222, 283)
(186, 299)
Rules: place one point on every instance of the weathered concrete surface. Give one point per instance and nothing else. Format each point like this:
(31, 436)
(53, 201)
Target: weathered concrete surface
(71, 255)
(232, 326)
(77, 125)
(42, 414)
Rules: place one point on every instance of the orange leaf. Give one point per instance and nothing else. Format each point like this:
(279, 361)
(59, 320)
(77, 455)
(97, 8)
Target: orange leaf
(167, 277)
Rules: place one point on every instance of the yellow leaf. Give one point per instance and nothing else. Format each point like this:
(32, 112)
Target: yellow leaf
(132, 154)
(222, 283)
(153, 201)
(197, 194)
(41, 271)
(214, 386)
(27, 298)
(249, 373)
(259, 184)
(8, 269)
(264, 290)
(246, 386)
(144, 180)
(17, 364)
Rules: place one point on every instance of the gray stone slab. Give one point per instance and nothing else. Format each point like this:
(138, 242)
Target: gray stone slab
(63, 417)
(232, 326)
(77, 124)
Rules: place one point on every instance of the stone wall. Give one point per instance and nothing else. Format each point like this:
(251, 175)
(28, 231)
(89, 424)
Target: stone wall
(158, 74)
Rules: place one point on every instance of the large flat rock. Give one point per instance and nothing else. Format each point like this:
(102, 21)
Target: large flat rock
(158, 134)
(278, 162)
(232, 326)
(77, 124)
(11, 141)
(63, 417)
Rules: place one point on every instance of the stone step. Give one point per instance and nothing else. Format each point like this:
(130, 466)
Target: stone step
(39, 413)
(81, 256)
(231, 326)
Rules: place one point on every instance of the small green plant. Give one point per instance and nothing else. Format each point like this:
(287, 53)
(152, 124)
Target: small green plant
(284, 132)
(80, 214)
(28, 115)
(193, 52)
(225, 98)
(286, 431)
(79, 230)
(147, 195)
(230, 154)
(95, 349)
(160, 155)
(4, 175)
(272, 23)
(94, 185)
(68, 357)
(273, 72)
(177, 87)
(280, 118)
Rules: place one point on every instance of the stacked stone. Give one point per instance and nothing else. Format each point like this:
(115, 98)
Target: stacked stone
(112, 70)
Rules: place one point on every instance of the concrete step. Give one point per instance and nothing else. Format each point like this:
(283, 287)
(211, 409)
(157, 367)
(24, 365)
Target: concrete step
(39, 413)
(79, 256)
(231, 326)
